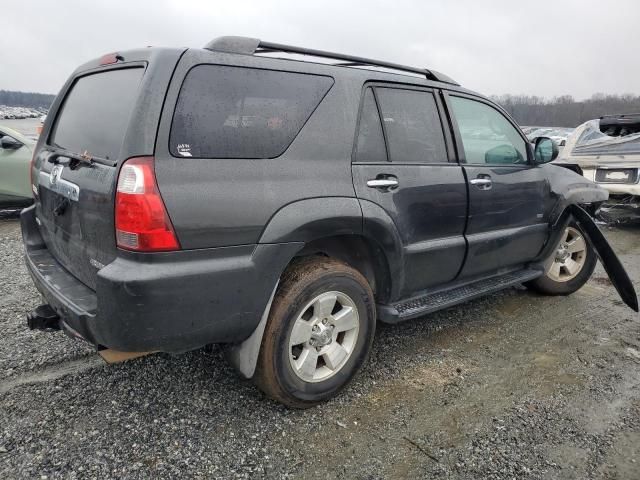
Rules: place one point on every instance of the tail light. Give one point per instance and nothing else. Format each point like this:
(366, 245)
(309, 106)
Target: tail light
(142, 223)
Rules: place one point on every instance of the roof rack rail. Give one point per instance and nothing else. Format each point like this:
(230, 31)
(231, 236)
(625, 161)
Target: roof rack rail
(250, 46)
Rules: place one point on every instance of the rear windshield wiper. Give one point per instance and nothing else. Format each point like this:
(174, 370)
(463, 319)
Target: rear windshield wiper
(74, 160)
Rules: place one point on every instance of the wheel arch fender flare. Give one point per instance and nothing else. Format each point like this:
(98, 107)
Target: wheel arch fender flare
(298, 222)
(312, 219)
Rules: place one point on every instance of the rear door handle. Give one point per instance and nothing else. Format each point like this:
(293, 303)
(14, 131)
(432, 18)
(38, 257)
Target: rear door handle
(383, 183)
(482, 182)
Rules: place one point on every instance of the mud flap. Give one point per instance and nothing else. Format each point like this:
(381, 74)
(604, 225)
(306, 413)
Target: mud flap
(618, 275)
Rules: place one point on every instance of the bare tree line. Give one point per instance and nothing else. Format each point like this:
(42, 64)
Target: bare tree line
(25, 99)
(565, 111)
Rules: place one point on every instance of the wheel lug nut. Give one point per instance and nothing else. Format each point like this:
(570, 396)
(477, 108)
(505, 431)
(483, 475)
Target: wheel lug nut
(324, 321)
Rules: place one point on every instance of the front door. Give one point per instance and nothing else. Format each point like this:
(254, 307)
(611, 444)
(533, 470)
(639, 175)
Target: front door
(404, 165)
(509, 196)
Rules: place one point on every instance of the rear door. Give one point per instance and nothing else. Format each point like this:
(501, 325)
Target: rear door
(403, 163)
(509, 196)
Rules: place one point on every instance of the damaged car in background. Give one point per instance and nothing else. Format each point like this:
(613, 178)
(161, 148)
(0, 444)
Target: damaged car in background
(607, 151)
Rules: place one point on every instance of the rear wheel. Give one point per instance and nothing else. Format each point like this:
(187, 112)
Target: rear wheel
(319, 332)
(570, 268)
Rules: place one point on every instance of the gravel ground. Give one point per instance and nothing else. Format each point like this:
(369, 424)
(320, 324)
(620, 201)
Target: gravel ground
(514, 385)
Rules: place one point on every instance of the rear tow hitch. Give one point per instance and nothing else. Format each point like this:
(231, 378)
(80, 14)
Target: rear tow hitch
(43, 318)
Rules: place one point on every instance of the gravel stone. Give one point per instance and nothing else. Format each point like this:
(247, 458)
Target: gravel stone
(514, 385)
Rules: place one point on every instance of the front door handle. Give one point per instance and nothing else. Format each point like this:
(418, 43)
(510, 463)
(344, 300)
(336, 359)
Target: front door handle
(383, 183)
(483, 182)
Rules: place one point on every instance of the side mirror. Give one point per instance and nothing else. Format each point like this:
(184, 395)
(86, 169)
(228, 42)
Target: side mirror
(545, 150)
(9, 143)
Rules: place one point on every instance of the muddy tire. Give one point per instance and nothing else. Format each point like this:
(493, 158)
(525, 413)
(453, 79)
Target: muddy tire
(319, 332)
(572, 266)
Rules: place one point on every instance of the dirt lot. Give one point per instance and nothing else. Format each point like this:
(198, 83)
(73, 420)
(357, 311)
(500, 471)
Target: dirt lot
(511, 386)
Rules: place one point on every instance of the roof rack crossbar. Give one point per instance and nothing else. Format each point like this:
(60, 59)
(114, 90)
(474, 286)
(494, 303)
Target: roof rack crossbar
(250, 46)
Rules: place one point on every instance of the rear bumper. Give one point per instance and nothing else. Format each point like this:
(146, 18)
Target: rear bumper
(615, 188)
(172, 302)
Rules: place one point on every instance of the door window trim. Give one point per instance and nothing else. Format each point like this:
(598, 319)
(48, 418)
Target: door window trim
(442, 115)
(458, 137)
(385, 137)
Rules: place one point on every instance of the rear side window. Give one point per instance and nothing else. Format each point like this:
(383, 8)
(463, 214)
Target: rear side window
(95, 113)
(412, 125)
(370, 145)
(235, 112)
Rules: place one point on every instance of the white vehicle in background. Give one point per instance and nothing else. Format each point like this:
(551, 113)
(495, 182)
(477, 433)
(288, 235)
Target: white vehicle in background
(607, 151)
(557, 134)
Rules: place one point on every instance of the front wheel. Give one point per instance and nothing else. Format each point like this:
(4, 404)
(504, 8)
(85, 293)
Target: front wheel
(571, 266)
(319, 332)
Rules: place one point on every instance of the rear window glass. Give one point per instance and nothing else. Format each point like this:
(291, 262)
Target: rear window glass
(95, 113)
(235, 112)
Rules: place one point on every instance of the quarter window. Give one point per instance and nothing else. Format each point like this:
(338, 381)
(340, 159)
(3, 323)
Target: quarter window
(370, 145)
(487, 136)
(235, 112)
(412, 126)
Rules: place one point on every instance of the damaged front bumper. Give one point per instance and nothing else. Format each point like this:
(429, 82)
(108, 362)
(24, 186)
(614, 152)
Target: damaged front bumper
(573, 192)
(623, 204)
(620, 209)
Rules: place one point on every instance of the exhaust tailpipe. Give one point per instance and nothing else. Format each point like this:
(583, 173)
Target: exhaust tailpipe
(43, 318)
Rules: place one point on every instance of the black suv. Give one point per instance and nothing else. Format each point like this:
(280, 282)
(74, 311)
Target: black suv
(185, 197)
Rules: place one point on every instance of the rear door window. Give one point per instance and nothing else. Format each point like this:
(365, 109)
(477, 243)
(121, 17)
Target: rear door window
(95, 113)
(236, 112)
(412, 126)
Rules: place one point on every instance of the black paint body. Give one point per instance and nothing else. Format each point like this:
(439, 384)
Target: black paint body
(240, 222)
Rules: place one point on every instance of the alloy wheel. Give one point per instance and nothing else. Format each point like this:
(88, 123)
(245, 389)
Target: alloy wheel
(323, 336)
(570, 256)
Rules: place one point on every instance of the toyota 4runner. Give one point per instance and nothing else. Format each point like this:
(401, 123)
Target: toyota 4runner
(280, 200)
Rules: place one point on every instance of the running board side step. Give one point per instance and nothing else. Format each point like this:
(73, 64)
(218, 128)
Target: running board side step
(433, 301)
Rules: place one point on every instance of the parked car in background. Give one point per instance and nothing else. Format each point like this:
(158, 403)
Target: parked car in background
(607, 151)
(19, 113)
(16, 152)
(558, 135)
(526, 130)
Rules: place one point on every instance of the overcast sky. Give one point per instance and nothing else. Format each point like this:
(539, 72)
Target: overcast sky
(537, 47)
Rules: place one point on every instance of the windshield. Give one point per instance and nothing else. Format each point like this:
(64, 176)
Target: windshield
(95, 113)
